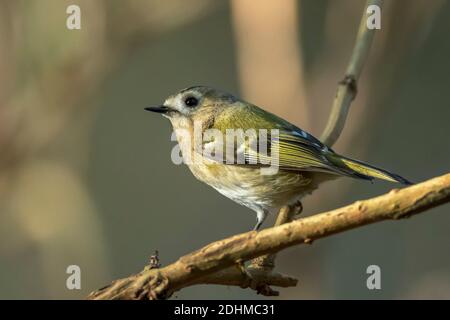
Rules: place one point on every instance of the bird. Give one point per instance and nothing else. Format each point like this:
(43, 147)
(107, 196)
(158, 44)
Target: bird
(199, 114)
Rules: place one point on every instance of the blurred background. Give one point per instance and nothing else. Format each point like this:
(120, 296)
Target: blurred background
(86, 176)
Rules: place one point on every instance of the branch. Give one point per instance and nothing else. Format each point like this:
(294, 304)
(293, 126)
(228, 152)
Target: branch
(233, 251)
(266, 263)
(346, 93)
(347, 89)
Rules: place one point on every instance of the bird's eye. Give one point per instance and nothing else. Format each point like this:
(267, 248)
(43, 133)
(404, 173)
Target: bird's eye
(191, 101)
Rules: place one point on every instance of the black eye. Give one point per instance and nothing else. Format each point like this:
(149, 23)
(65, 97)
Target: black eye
(191, 101)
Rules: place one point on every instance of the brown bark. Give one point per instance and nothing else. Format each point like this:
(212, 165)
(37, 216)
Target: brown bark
(210, 263)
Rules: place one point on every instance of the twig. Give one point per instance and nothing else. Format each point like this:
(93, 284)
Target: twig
(189, 269)
(346, 93)
(287, 214)
(253, 278)
(347, 89)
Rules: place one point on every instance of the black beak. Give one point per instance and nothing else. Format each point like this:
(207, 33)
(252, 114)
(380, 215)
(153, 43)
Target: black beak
(158, 109)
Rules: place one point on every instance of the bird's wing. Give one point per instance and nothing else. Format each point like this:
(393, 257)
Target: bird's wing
(294, 152)
(292, 148)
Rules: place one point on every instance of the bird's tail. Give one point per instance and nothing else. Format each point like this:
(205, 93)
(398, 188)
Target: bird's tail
(359, 169)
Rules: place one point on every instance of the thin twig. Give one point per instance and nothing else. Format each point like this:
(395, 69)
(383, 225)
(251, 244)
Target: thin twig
(347, 89)
(285, 215)
(346, 93)
(189, 269)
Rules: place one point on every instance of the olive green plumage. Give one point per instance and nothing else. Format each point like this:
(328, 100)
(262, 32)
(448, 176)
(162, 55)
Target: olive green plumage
(303, 161)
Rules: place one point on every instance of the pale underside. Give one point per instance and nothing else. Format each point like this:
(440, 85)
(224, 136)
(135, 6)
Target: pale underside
(248, 187)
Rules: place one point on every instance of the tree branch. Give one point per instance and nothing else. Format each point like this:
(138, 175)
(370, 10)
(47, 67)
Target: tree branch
(347, 89)
(346, 93)
(201, 264)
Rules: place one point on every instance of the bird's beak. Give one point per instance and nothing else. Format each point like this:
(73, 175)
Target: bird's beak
(158, 109)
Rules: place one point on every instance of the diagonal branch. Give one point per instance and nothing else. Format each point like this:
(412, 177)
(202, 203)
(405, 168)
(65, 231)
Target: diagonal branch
(219, 255)
(346, 93)
(347, 89)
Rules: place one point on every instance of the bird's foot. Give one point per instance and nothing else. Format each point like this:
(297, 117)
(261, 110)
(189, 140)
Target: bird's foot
(296, 209)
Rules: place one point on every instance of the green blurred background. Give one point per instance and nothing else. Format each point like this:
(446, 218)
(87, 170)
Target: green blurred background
(86, 176)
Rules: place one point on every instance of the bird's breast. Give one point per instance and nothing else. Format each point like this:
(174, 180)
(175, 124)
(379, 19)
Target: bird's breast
(247, 186)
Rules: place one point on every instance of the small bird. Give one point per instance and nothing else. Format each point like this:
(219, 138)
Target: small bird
(303, 162)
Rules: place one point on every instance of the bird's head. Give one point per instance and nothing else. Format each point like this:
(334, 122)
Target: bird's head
(199, 103)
